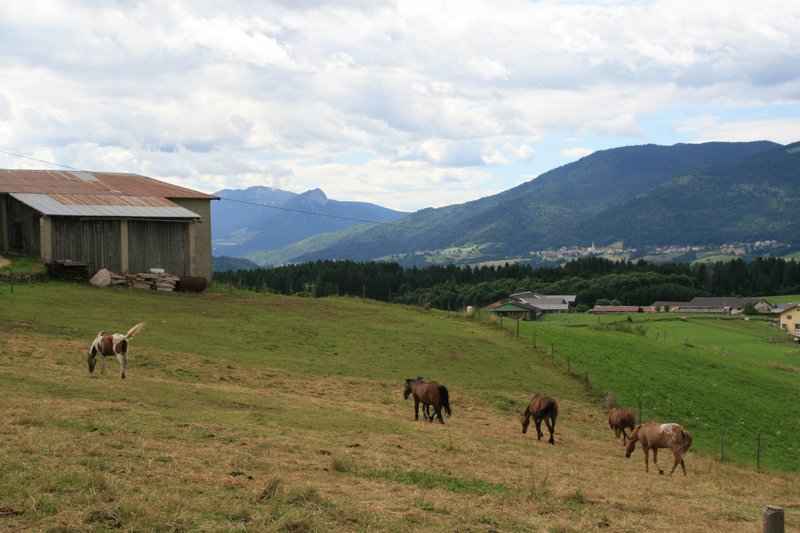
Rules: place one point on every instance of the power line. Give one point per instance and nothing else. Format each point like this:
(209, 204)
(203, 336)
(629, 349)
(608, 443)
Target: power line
(393, 224)
(41, 160)
(301, 211)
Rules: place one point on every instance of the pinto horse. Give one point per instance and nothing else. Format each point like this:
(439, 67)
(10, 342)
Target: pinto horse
(653, 436)
(541, 408)
(107, 344)
(428, 393)
(619, 419)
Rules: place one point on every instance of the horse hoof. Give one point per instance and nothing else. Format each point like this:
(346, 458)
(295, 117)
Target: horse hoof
(660, 472)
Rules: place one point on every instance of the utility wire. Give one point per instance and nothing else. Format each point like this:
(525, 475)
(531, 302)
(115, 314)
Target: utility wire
(391, 224)
(41, 161)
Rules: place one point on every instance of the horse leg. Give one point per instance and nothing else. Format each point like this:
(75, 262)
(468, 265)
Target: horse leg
(123, 364)
(426, 411)
(102, 364)
(438, 410)
(539, 433)
(646, 458)
(551, 427)
(678, 461)
(655, 457)
(416, 409)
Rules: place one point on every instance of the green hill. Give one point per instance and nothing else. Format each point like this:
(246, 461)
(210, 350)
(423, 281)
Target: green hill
(608, 196)
(269, 413)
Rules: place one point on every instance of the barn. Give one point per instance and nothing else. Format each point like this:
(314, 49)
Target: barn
(126, 223)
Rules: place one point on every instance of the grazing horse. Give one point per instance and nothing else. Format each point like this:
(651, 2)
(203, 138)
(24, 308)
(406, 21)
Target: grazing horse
(541, 408)
(108, 344)
(653, 436)
(429, 393)
(619, 419)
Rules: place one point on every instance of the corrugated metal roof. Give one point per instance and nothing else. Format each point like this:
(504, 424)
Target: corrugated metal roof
(91, 183)
(103, 206)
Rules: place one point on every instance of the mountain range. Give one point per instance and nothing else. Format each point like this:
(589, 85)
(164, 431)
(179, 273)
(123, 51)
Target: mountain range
(647, 195)
(259, 219)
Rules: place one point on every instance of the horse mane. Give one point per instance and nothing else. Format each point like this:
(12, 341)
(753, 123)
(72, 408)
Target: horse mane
(134, 330)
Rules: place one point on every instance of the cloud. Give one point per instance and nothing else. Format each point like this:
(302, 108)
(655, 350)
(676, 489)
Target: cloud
(575, 152)
(219, 95)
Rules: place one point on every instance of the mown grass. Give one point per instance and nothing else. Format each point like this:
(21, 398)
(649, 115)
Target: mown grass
(268, 413)
(725, 379)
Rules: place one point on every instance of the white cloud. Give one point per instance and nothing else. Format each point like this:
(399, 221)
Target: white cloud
(228, 94)
(575, 152)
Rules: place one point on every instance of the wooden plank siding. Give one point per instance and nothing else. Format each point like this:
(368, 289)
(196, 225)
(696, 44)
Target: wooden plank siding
(154, 244)
(96, 242)
(24, 229)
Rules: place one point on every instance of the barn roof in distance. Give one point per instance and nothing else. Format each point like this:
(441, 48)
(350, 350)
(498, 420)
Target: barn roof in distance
(92, 183)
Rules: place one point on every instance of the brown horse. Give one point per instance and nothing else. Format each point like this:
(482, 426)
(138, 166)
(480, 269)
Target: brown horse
(541, 408)
(429, 393)
(619, 419)
(653, 436)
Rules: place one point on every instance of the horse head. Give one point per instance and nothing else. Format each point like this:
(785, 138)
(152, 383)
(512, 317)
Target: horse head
(407, 390)
(630, 446)
(91, 360)
(526, 421)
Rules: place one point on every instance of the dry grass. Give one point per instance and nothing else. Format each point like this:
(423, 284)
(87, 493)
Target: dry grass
(197, 444)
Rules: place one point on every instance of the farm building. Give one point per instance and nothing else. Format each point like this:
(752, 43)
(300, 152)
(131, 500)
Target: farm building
(126, 223)
(529, 305)
(617, 309)
(790, 319)
(725, 305)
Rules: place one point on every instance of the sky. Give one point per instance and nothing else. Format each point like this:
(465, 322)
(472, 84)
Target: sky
(405, 104)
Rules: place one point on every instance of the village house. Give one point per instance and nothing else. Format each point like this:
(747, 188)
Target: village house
(726, 305)
(126, 223)
(790, 319)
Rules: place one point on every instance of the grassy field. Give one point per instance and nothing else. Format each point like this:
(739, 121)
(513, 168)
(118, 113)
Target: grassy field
(247, 412)
(725, 379)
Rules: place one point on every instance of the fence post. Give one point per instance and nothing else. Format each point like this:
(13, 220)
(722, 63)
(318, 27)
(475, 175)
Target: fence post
(534, 341)
(758, 452)
(773, 519)
(518, 328)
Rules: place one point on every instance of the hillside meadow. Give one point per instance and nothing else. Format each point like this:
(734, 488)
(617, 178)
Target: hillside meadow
(733, 382)
(254, 412)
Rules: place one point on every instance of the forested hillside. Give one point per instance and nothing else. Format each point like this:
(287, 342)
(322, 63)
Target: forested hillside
(592, 279)
(683, 194)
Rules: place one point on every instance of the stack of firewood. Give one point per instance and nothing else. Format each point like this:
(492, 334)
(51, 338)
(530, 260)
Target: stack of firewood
(159, 282)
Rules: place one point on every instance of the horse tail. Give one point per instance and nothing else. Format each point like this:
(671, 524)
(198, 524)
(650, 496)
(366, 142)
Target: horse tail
(687, 442)
(134, 330)
(445, 397)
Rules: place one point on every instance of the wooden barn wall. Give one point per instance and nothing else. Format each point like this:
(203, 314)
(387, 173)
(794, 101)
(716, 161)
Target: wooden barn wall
(96, 242)
(23, 229)
(158, 245)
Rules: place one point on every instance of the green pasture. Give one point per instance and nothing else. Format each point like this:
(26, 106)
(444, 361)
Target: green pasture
(783, 299)
(725, 379)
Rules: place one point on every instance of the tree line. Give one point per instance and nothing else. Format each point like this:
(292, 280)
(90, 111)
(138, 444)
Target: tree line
(591, 279)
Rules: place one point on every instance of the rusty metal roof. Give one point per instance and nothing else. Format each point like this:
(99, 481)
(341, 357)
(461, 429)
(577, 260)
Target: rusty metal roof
(98, 205)
(91, 183)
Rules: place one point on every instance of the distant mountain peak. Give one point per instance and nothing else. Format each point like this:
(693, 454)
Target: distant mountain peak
(314, 197)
